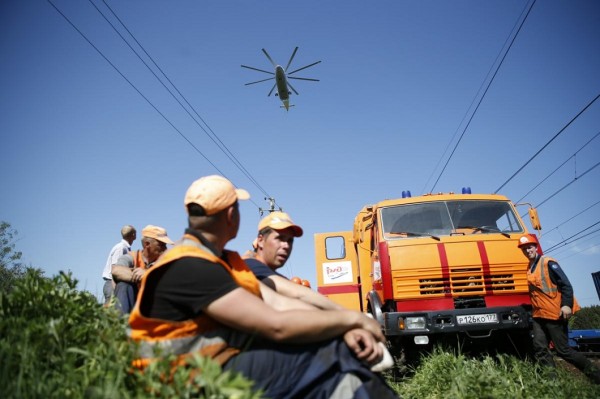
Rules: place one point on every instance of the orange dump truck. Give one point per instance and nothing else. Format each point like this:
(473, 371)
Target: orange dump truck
(433, 268)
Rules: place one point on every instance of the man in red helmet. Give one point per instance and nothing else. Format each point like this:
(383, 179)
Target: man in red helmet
(553, 304)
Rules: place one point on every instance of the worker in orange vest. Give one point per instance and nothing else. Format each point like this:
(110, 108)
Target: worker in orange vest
(201, 299)
(553, 304)
(129, 269)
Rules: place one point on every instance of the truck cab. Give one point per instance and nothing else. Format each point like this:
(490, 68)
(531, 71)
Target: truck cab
(431, 268)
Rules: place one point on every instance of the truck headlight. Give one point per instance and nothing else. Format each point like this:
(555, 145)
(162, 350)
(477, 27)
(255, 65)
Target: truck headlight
(415, 323)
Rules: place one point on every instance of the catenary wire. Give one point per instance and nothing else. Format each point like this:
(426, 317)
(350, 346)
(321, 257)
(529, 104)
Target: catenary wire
(572, 238)
(547, 144)
(138, 91)
(568, 184)
(561, 165)
(212, 135)
(474, 98)
(573, 217)
(482, 97)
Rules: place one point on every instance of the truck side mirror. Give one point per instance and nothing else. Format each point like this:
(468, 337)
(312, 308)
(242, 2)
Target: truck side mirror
(534, 219)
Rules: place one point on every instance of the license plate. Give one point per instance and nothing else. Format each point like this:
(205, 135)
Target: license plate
(477, 318)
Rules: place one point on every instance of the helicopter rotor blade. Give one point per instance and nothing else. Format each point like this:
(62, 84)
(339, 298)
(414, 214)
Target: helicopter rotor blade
(291, 58)
(295, 77)
(272, 88)
(294, 90)
(304, 67)
(258, 81)
(259, 70)
(269, 57)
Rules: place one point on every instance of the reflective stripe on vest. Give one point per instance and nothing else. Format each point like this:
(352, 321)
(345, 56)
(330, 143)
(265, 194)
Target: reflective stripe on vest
(544, 294)
(548, 286)
(202, 335)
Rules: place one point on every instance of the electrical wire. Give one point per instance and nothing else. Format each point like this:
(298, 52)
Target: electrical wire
(212, 135)
(568, 184)
(566, 241)
(138, 91)
(482, 97)
(547, 144)
(561, 165)
(573, 217)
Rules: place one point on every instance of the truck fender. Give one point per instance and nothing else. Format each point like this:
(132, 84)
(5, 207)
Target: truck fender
(375, 306)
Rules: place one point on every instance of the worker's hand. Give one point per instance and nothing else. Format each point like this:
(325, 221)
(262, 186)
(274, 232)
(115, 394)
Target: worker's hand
(364, 345)
(138, 273)
(371, 325)
(566, 312)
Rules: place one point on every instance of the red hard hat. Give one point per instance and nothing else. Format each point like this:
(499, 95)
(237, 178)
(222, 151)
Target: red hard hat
(306, 283)
(528, 239)
(296, 280)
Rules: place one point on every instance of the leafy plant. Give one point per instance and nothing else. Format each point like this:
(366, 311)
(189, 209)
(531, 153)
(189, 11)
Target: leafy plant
(57, 342)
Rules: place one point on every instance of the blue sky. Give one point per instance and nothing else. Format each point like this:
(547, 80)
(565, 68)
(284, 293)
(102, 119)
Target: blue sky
(84, 153)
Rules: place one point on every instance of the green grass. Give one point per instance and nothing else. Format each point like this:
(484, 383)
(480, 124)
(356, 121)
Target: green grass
(447, 375)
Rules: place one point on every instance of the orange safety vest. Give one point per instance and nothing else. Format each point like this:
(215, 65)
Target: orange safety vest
(545, 297)
(138, 259)
(202, 335)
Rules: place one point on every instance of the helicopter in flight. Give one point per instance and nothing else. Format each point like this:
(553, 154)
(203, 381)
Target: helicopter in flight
(282, 76)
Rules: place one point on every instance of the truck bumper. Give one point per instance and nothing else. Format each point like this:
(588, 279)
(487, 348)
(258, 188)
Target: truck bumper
(474, 321)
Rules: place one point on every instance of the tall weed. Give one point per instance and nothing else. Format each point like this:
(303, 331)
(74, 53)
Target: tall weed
(57, 342)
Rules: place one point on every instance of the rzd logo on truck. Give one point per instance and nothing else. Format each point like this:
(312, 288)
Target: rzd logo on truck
(337, 272)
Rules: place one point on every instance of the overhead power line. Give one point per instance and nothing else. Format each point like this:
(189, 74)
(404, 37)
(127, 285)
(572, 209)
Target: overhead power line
(573, 217)
(572, 238)
(547, 144)
(132, 85)
(482, 97)
(137, 90)
(561, 165)
(212, 135)
(568, 184)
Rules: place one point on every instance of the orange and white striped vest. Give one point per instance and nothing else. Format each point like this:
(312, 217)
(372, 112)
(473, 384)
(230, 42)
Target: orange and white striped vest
(544, 294)
(201, 335)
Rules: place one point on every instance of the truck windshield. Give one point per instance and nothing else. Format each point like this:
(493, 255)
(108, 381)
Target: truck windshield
(441, 218)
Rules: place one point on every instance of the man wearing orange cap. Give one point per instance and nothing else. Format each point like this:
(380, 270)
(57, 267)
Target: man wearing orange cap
(553, 304)
(200, 298)
(129, 269)
(273, 247)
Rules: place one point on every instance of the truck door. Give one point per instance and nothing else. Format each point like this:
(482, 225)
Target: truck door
(338, 277)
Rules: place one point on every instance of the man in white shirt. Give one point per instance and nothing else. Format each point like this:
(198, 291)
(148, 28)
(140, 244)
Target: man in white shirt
(122, 248)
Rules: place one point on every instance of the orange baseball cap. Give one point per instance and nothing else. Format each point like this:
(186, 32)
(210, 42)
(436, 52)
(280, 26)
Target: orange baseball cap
(158, 233)
(527, 239)
(280, 221)
(214, 193)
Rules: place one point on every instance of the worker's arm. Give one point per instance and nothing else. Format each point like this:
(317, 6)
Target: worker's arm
(290, 289)
(241, 310)
(281, 302)
(122, 273)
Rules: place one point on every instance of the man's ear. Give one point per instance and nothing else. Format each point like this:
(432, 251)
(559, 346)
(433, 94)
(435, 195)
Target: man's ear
(230, 214)
(259, 241)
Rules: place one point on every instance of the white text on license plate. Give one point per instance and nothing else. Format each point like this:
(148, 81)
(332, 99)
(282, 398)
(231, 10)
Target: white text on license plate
(477, 318)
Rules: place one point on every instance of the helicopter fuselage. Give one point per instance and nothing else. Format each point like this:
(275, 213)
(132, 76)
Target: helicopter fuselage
(282, 86)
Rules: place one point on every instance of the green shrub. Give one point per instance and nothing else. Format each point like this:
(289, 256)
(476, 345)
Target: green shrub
(587, 318)
(57, 342)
